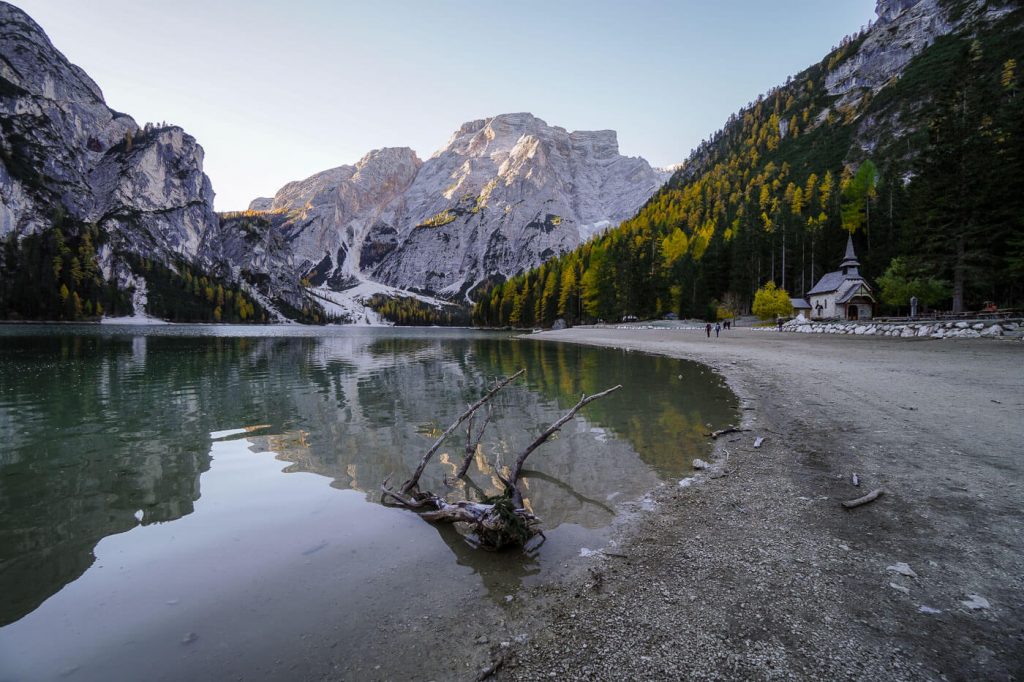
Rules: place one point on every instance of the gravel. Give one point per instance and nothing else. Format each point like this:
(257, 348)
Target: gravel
(755, 571)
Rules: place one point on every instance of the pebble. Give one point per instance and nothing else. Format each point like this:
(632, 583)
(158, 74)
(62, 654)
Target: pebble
(900, 588)
(903, 569)
(928, 609)
(189, 638)
(975, 602)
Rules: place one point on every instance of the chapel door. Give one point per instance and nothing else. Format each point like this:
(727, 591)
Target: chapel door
(851, 312)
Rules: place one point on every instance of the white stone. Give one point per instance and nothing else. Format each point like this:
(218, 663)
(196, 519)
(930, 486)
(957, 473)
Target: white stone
(994, 330)
(976, 602)
(902, 568)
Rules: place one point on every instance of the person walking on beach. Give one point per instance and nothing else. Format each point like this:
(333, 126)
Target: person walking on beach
(708, 329)
(718, 328)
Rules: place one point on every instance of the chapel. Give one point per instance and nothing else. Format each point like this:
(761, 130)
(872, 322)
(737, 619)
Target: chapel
(844, 293)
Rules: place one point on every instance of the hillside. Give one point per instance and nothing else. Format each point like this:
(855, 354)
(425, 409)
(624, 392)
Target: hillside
(908, 136)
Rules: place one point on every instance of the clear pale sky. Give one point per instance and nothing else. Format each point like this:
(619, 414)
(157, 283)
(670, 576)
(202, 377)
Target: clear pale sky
(276, 91)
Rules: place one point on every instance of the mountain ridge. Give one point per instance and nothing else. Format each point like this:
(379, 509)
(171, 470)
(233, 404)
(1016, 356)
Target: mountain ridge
(483, 190)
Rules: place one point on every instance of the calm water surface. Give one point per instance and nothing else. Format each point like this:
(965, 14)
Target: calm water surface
(201, 502)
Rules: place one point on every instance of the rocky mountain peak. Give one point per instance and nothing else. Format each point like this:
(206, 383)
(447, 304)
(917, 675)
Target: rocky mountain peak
(381, 164)
(904, 30)
(887, 10)
(504, 194)
(65, 151)
(32, 63)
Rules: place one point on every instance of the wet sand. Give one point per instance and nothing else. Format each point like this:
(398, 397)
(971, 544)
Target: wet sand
(756, 571)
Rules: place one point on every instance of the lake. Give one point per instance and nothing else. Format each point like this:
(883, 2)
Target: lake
(202, 502)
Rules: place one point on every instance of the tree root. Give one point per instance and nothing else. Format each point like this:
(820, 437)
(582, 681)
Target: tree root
(495, 522)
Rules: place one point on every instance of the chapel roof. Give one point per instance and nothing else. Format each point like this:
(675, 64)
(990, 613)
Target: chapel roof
(849, 270)
(831, 281)
(853, 288)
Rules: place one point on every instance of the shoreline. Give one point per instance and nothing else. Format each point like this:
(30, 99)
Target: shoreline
(760, 573)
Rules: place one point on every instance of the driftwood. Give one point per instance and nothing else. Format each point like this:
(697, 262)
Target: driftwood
(414, 481)
(491, 669)
(472, 447)
(495, 522)
(722, 432)
(855, 480)
(513, 481)
(870, 497)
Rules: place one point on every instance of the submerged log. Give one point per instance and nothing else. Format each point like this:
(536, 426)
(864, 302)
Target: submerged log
(497, 521)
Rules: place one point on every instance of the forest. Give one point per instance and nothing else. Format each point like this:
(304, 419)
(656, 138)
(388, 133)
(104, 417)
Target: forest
(926, 174)
(406, 311)
(55, 275)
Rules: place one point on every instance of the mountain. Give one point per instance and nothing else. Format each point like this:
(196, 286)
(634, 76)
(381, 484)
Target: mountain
(909, 136)
(97, 214)
(100, 216)
(505, 194)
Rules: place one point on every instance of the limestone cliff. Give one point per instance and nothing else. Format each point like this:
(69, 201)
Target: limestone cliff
(503, 195)
(64, 150)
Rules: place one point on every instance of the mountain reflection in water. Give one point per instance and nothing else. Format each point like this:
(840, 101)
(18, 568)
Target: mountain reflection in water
(107, 430)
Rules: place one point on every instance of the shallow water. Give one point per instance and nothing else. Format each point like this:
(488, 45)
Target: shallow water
(202, 501)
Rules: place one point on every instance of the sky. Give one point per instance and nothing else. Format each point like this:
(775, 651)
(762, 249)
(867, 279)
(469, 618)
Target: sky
(277, 91)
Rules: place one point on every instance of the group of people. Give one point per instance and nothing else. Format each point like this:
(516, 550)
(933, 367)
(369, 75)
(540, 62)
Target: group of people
(718, 327)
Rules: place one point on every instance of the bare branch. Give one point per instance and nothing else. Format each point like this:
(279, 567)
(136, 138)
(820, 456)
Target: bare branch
(722, 432)
(517, 468)
(471, 448)
(414, 481)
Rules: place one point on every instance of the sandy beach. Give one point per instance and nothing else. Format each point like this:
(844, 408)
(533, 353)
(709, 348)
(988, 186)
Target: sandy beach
(756, 571)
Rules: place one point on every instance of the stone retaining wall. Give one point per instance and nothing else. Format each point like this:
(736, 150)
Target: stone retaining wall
(964, 329)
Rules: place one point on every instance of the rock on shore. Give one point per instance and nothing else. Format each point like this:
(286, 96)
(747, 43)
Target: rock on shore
(969, 329)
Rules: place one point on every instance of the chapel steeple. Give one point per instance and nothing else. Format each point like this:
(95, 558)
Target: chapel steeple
(850, 264)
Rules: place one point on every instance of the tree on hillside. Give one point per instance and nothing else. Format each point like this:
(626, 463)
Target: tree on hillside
(771, 302)
(568, 295)
(899, 283)
(598, 286)
(858, 191)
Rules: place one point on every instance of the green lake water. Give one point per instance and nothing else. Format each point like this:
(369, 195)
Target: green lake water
(201, 502)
